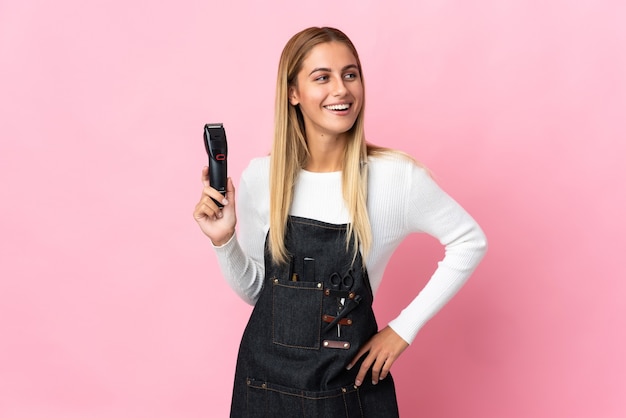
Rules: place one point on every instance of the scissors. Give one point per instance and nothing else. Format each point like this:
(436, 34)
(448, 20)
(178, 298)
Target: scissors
(344, 283)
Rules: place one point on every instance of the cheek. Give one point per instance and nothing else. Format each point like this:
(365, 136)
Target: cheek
(311, 100)
(314, 95)
(357, 91)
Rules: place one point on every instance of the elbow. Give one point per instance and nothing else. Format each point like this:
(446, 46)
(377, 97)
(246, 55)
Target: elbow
(481, 244)
(482, 240)
(475, 241)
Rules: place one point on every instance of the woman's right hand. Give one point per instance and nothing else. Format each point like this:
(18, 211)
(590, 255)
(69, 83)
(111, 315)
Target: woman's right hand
(217, 224)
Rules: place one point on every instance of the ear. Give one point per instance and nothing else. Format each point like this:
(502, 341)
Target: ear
(293, 96)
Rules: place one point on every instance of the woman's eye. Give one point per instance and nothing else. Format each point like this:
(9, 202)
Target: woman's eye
(350, 76)
(322, 78)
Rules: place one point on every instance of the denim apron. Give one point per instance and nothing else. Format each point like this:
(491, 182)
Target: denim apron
(311, 318)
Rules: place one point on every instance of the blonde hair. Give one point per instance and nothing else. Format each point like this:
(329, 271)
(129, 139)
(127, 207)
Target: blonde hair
(289, 150)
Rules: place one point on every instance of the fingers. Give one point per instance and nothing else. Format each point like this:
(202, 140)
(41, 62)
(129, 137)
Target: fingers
(229, 186)
(205, 177)
(206, 207)
(382, 350)
(216, 223)
(381, 369)
(230, 192)
(209, 191)
(364, 349)
(364, 366)
(379, 362)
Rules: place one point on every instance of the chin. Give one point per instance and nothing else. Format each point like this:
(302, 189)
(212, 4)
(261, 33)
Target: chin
(341, 128)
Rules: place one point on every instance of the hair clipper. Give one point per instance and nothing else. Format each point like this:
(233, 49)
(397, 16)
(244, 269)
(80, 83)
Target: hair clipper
(217, 150)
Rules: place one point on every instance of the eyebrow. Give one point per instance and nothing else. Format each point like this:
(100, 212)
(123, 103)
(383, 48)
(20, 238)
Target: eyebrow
(347, 67)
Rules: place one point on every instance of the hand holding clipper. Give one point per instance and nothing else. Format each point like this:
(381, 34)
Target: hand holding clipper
(217, 150)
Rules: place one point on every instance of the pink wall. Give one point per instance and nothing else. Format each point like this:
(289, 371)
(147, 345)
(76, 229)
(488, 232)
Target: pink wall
(111, 304)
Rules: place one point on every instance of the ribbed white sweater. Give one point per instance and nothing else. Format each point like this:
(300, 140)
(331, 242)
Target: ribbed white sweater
(402, 199)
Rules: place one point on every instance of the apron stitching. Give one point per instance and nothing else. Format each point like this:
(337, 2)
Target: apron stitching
(276, 282)
(301, 395)
(296, 346)
(345, 404)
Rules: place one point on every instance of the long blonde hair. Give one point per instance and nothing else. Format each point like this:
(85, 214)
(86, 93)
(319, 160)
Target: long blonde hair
(290, 151)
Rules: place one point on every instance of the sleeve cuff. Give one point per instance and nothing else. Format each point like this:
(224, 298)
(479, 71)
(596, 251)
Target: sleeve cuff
(225, 245)
(404, 332)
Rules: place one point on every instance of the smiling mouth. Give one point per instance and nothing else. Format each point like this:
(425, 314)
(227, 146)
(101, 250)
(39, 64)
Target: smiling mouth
(338, 107)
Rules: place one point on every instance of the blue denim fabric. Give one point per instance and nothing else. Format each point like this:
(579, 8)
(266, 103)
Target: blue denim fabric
(284, 368)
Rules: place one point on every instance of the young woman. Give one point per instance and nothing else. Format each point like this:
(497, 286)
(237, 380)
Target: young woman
(318, 221)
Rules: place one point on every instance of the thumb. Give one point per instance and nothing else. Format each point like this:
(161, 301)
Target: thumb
(205, 176)
(230, 191)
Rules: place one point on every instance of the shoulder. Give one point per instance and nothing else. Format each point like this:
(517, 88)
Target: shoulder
(254, 191)
(391, 164)
(396, 179)
(255, 179)
(259, 165)
(257, 170)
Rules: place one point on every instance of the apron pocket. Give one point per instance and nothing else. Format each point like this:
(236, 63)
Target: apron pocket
(265, 399)
(297, 313)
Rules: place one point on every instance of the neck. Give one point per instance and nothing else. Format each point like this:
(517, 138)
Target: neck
(325, 156)
(326, 153)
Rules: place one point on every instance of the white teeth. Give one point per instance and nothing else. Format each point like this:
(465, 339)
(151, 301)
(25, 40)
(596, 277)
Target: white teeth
(338, 107)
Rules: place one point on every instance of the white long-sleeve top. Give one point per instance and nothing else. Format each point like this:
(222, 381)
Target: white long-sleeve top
(402, 199)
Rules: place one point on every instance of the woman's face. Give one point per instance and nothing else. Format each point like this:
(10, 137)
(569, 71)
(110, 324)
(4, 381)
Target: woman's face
(329, 90)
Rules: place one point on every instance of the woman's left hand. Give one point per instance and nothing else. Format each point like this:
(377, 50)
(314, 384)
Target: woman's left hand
(382, 350)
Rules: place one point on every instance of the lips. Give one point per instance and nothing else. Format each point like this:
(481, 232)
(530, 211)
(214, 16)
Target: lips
(338, 107)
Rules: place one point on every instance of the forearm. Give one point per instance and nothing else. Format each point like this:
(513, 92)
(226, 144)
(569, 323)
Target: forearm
(241, 259)
(432, 211)
(242, 273)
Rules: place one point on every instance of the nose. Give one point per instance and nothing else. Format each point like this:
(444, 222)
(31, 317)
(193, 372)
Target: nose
(339, 88)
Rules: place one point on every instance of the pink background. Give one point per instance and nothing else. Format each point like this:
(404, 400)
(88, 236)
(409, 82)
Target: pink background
(111, 304)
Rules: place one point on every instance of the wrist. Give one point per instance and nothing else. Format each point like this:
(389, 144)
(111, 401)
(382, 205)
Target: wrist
(223, 241)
